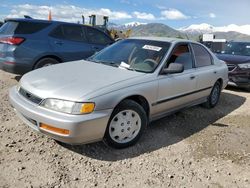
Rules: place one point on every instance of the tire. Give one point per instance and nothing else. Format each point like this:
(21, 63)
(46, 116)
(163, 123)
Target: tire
(214, 96)
(126, 125)
(247, 89)
(45, 62)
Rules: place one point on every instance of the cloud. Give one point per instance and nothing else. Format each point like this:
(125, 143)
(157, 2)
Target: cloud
(212, 15)
(144, 15)
(68, 13)
(173, 14)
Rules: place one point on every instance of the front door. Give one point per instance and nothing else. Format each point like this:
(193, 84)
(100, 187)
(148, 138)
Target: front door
(176, 90)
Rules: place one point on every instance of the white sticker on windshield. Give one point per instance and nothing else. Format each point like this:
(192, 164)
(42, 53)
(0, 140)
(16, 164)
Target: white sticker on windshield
(150, 47)
(124, 65)
(247, 46)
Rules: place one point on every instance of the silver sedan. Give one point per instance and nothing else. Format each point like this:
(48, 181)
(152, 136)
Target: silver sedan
(115, 94)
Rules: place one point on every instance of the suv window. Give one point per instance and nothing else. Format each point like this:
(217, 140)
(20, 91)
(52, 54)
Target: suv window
(57, 32)
(12, 27)
(182, 55)
(97, 37)
(201, 55)
(69, 32)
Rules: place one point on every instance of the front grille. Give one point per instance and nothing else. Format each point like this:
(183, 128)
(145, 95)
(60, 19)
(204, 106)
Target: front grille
(231, 67)
(29, 96)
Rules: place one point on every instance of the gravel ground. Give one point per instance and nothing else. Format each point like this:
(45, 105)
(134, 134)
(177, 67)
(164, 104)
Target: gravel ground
(192, 148)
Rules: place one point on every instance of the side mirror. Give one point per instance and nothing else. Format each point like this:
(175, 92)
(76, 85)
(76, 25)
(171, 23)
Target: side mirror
(173, 68)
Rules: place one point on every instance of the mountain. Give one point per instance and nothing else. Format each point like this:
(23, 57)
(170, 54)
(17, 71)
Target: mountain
(133, 24)
(192, 32)
(206, 28)
(125, 26)
(156, 29)
(232, 35)
(197, 29)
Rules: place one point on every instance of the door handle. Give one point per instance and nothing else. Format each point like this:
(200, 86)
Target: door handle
(192, 77)
(59, 42)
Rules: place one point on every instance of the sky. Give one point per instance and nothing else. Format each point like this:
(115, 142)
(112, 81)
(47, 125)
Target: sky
(175, 13)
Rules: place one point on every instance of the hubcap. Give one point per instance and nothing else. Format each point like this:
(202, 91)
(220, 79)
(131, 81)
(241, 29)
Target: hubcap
(125, 126)
(215, 94)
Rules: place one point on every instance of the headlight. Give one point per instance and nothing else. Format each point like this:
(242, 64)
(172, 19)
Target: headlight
(68, 106)
(244, 65)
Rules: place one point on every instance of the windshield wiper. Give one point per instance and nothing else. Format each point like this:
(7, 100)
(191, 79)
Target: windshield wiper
(106, 63)
(110, 64)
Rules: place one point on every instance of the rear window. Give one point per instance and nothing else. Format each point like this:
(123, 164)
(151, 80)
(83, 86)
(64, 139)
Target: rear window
(12, 27)
(201, 55)
(69, 32)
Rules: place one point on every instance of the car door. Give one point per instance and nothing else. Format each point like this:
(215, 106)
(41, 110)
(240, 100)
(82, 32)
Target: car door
(97, 39)
(70, 43)
(205, 69)
(176, 90)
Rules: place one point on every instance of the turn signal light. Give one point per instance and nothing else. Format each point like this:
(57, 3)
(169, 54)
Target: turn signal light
(87, 108)
(54, 129)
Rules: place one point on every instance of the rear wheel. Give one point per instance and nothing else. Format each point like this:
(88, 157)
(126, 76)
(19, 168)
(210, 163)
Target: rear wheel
(45, 62)
(126, 125)
(214, 96)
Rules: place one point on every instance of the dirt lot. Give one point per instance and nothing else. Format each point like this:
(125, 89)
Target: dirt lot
(193, 148)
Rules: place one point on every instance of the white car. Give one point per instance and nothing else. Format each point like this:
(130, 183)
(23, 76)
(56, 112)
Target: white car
(116, 93)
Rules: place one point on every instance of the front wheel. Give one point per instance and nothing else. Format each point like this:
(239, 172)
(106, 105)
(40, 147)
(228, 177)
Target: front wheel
(126, 125)
(214, 96)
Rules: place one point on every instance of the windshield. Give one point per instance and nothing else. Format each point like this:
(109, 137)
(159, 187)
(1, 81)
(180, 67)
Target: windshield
(237, 48)
(133, 54)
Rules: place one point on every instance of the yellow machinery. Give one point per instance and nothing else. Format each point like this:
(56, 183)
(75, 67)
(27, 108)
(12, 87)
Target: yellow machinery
(101, 22)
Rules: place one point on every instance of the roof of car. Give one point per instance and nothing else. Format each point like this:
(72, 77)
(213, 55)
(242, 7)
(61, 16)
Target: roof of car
(35, 20)
(163, 39)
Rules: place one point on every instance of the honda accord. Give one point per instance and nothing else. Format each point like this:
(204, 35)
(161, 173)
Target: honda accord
(117, 92)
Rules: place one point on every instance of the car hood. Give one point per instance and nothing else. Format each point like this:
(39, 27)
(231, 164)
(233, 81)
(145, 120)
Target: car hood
(233, 59)
(74, 80)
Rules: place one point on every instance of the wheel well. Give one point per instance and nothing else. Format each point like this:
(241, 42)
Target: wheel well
(48, 56)
(221, 82)
(141, 101)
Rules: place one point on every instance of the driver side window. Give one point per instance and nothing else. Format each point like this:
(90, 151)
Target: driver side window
(182, 55)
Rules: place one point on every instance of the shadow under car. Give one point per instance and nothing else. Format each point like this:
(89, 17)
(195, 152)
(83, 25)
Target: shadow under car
(166, 131)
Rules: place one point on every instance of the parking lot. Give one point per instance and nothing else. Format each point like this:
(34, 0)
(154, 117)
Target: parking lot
(192, 148)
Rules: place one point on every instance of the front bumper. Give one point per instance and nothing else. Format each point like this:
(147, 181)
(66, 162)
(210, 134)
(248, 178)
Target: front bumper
(83, 128)
(239, 78)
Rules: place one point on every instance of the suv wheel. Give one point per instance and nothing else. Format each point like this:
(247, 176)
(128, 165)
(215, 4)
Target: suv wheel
(45, 62)
(126, 125)
(214, 96)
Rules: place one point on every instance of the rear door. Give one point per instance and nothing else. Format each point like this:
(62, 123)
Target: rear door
(176, 90)
(70, 42)
(205, 69)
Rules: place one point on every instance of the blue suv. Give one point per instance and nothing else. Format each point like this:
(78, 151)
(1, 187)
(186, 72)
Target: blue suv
(27, 44)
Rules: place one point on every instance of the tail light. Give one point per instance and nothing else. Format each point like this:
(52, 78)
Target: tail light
(12, 40)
